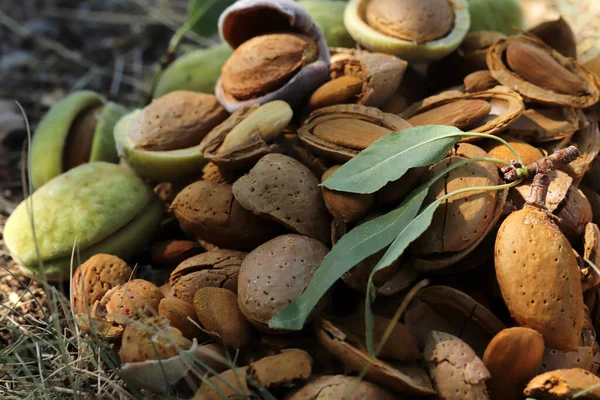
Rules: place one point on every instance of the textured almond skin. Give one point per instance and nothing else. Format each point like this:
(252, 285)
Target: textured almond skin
(562, 385)
(281, 188)
(539, 68)
(218, 312)
(133, 300)
(539, 277)
(275, 274)
(460, 113)
(513, 358)
(177, 312)
(331, 387)
(94, 278)
(342, 90)
(479, 80)
(412, 20)
(208, 211)
(345, 207)
(265, 63)
(455, 368)
(177, 120)
(217, 268)
(498, 150)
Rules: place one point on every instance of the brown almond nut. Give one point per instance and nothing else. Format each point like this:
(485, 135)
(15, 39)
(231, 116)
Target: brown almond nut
(133, 300)
(282, 189)
(209, 211)
(79, 141)
(575, 213)
(411, 20)
(527, 65)
(498, 150)
(218, 312)
(177, 120)
(345, 207)
(340, 386)
(173, 252)
(182, 316)
(94, 278)
(399, 377)
(217, 268)
(563, 384)
(455, 368)
(479, 81)
(275, 274)
(151, 339)
(342, 90)
(539, 68)
(539, 277)
(513, 358)
(461, 114)
(265, 63)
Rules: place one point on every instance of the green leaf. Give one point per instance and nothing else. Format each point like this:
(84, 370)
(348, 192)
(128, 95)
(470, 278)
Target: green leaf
(355, 246)
(388, 158)
(203, 15)
(408, 234)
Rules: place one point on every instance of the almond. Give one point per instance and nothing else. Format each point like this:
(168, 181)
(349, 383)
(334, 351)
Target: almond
(133, 300)
(182, 316)
(342, 90)
(479, 81)
(460, 113)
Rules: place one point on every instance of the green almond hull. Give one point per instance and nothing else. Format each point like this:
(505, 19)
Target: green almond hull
(104, 147)
(157, 166)
(329, 14)
(496, 15)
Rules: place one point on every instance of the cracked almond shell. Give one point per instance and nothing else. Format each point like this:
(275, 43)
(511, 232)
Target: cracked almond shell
(544, 124)
(574, 213)
(340, 132)
(275, 274)
(491, 111)
(539, 277)
(551, 63)
(587, 140)
(340, 386)
(415, 31)
(280, 188)
(161, 141)
(100, 206)
(217, 268)
(563, 384)
(238, 25)
(208, 211)
(455, 368)
(76, 130)
(133, 300)
(401, 377)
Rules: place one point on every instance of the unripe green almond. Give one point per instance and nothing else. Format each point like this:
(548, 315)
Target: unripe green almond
(496, 15)
(329, 14)
(99, 207)
(197, 71)
(50, 137)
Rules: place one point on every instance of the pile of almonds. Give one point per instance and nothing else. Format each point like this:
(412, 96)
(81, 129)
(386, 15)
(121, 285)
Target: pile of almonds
(513, 301)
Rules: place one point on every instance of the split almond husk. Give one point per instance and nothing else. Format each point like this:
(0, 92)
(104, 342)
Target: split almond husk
(544, 124)
(217, 268)
(542, 74)
(558, 35)
(512, 358)
(490, 111)
(340, 132)
(563, 384)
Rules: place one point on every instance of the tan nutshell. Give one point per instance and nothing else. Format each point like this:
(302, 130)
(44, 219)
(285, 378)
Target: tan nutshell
(455, 368)
(218, 312)
(217, 268)
(182, 316)
(94, 278)
(539, 277)
(413, 20)
(591, 251)
(575, 213)
(133, 300)
(275, 274)
(265, 63)
(512, 358)
(282, 189)
(563, 384)
(209, 211)
(329, 387)
(543, 124)
(345, 207)
(177, 120)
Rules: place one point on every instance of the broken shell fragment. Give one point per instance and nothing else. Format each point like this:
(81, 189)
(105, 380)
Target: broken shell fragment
(275, 274)
(340, 132)
(542, 74)
(563, 384)
(285, 58)
(543, 124)
(341, 386)
(282, 189)
(455, 368)
(574, 213)
(246, 136)
(217, 268)
(414, 30)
